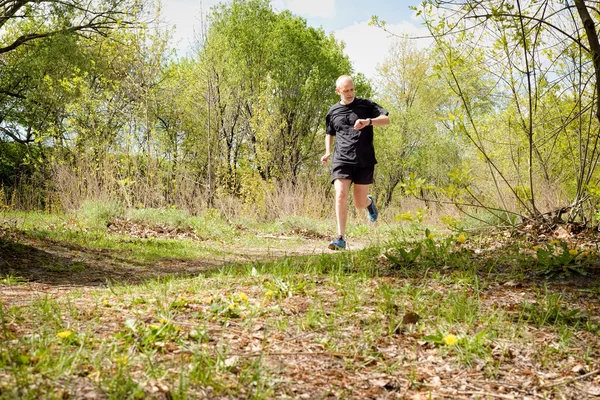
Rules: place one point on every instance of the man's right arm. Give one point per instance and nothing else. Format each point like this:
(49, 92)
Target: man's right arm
(328, 146)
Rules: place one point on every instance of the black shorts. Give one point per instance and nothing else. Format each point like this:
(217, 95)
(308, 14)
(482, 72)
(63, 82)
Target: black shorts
(357, 174)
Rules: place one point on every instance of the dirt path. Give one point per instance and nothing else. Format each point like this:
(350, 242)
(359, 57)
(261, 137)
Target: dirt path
(34, 267)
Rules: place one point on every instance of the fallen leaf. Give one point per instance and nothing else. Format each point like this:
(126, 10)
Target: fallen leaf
(379, 382)
(410, 318)
(436, 381)
(231, 361)
(593, 390)
(578, 369)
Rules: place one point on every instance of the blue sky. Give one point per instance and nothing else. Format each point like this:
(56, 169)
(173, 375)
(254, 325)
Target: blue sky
(366, 46)
(355, 11)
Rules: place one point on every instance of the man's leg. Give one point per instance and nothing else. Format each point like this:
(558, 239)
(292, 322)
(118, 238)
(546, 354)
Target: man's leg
(342, 190)
(361, 201)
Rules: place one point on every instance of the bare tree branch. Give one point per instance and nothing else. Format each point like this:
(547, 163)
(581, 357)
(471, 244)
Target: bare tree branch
(15, 137)
(97, 20)
(9, 9)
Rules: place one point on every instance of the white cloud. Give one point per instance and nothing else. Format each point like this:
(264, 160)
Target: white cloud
(367, 46)
(313, 8)
(307, 8)
(186, 16)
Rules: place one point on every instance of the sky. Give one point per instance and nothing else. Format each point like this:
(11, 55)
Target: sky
(367, 46)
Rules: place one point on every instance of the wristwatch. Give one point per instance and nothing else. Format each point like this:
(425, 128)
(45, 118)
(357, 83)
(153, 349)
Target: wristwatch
(370, 121)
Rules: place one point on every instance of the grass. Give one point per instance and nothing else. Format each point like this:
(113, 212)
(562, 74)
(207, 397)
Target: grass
(371, 322)
(11, 279)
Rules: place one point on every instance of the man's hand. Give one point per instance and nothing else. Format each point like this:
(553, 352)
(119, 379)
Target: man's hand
(325, 158)
(361, 123)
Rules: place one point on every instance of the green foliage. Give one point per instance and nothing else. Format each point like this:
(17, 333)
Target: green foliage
(283, 288)
(429, 251)
(275, 77)
(161, 216)
(414, 153)
(522, 138)
(17, 159)
(229, 306)
(148, 337)
(12, 280)
(556, 258)
(99, 214)
(549, 310)
(408, 256)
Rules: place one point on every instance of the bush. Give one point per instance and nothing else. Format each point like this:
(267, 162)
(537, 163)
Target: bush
(98, 214)
(161, 216)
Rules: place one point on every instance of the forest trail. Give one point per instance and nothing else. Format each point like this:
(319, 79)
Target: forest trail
(41, 267)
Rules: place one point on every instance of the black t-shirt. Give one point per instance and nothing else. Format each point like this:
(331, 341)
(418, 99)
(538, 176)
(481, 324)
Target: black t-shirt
(353, 147)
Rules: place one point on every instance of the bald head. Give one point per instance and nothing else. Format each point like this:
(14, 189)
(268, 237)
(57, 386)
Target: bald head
(344, 87)
(341, 80)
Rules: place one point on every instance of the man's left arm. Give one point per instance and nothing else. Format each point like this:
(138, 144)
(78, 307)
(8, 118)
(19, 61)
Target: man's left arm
(381, 120)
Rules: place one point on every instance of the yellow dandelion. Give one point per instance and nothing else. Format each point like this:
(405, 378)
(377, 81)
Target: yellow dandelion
(269, 293)
(243, 296)
(163, 321)
(154, 326)
(64, 334)
(431, 236)
(450, 339)
(461, 239)
(573, 252)
(555, 242)
(121, 360)
(588, 253)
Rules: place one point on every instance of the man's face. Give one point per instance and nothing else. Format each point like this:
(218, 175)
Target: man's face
(346, 91)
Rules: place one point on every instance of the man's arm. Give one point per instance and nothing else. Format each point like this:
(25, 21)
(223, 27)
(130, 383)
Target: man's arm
(328, 146)
(382, 120)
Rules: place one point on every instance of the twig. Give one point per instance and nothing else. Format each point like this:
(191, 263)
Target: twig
(571, 380)
(294, 353)
(484, 394)
(498, 383)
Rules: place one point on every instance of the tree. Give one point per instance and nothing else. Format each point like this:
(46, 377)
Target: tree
(539, 133)
(414, 145)
(42, 39)
(30, 20)
(271, 80)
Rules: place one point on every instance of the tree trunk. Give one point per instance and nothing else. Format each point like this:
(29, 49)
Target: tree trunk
(592, 35)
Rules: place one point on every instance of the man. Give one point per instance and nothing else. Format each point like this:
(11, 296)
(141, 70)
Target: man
(351, 122)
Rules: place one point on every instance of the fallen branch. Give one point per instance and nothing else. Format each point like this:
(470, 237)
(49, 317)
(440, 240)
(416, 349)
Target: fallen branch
(571, 380)
(486, 394)
(295, 353)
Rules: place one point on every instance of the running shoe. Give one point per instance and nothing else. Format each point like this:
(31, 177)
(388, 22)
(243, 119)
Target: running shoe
(338, 244)
(372, 210)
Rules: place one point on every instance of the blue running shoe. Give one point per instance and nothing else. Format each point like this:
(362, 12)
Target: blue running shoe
(372, 210)
(338, 244)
